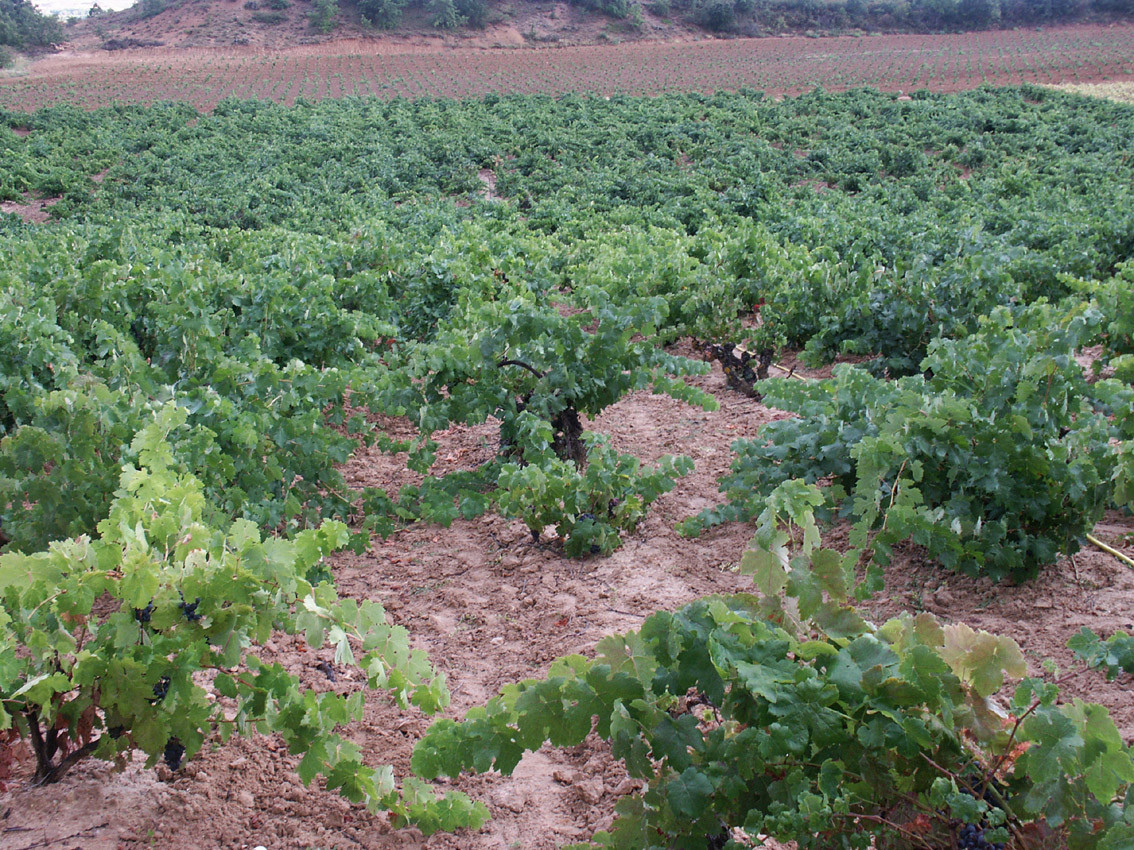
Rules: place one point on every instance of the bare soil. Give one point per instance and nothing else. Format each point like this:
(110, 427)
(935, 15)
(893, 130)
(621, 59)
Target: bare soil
(33, 210)
(426, 64)
(491, 607)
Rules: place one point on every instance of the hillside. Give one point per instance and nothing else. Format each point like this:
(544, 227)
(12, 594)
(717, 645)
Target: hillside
(221, 23)
(276, 24)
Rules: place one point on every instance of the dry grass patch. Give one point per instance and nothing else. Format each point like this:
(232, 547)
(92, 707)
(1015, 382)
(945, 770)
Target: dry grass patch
(1122, 92)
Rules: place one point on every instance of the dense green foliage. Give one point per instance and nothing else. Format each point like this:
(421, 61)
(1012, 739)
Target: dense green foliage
(262, 431)
(757, 17)
(996, 461)
(244, 296)
(23, 25)
(190, 594)
(787, 714)
(385, 14)
(322, 15)
(329, 268)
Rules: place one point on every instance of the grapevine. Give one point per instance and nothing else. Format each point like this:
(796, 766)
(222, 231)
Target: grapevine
(787, 714)
(102, 685)
(926, 458)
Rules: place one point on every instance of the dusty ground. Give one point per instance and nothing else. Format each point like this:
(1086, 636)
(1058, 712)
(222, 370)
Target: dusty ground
(492, 607)
(35, 210)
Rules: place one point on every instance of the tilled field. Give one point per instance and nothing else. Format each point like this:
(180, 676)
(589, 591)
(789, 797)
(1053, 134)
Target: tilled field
(777, 66)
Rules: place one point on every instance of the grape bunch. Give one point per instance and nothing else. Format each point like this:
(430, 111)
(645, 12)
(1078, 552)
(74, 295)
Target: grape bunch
(189, 609)
(161, 688)
(142, 615)
(971, 837)
(174, 750)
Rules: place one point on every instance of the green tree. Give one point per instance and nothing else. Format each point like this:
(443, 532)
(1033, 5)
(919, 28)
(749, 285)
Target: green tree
(717, 15)
(445, 14)
(22, 25)
(322, 15)
(979, 13)
(475, 12)
(384, 14)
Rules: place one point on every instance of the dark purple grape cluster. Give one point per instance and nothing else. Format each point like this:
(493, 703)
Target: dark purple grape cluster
(595, 549)
(174, 751)
(161, 688)
(189, 609)
(142, 615)
(971, 837)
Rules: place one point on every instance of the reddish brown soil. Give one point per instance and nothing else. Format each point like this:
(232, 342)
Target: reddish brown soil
(778, 66)
(34, 211)
(492, 607)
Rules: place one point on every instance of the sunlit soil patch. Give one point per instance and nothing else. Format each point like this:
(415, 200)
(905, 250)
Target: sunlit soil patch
(1122, 92)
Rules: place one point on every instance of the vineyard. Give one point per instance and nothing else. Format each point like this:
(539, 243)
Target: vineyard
(776, 66)
(524, 470)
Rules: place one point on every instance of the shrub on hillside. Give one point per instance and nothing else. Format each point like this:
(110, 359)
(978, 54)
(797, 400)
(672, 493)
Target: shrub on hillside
(150, 8)
(322, 15)
(384, 14)
(475, 12)
(717, 15)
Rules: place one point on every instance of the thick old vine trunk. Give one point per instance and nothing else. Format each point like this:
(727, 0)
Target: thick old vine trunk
(46, 744)
(567, 440)
(738, 364)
